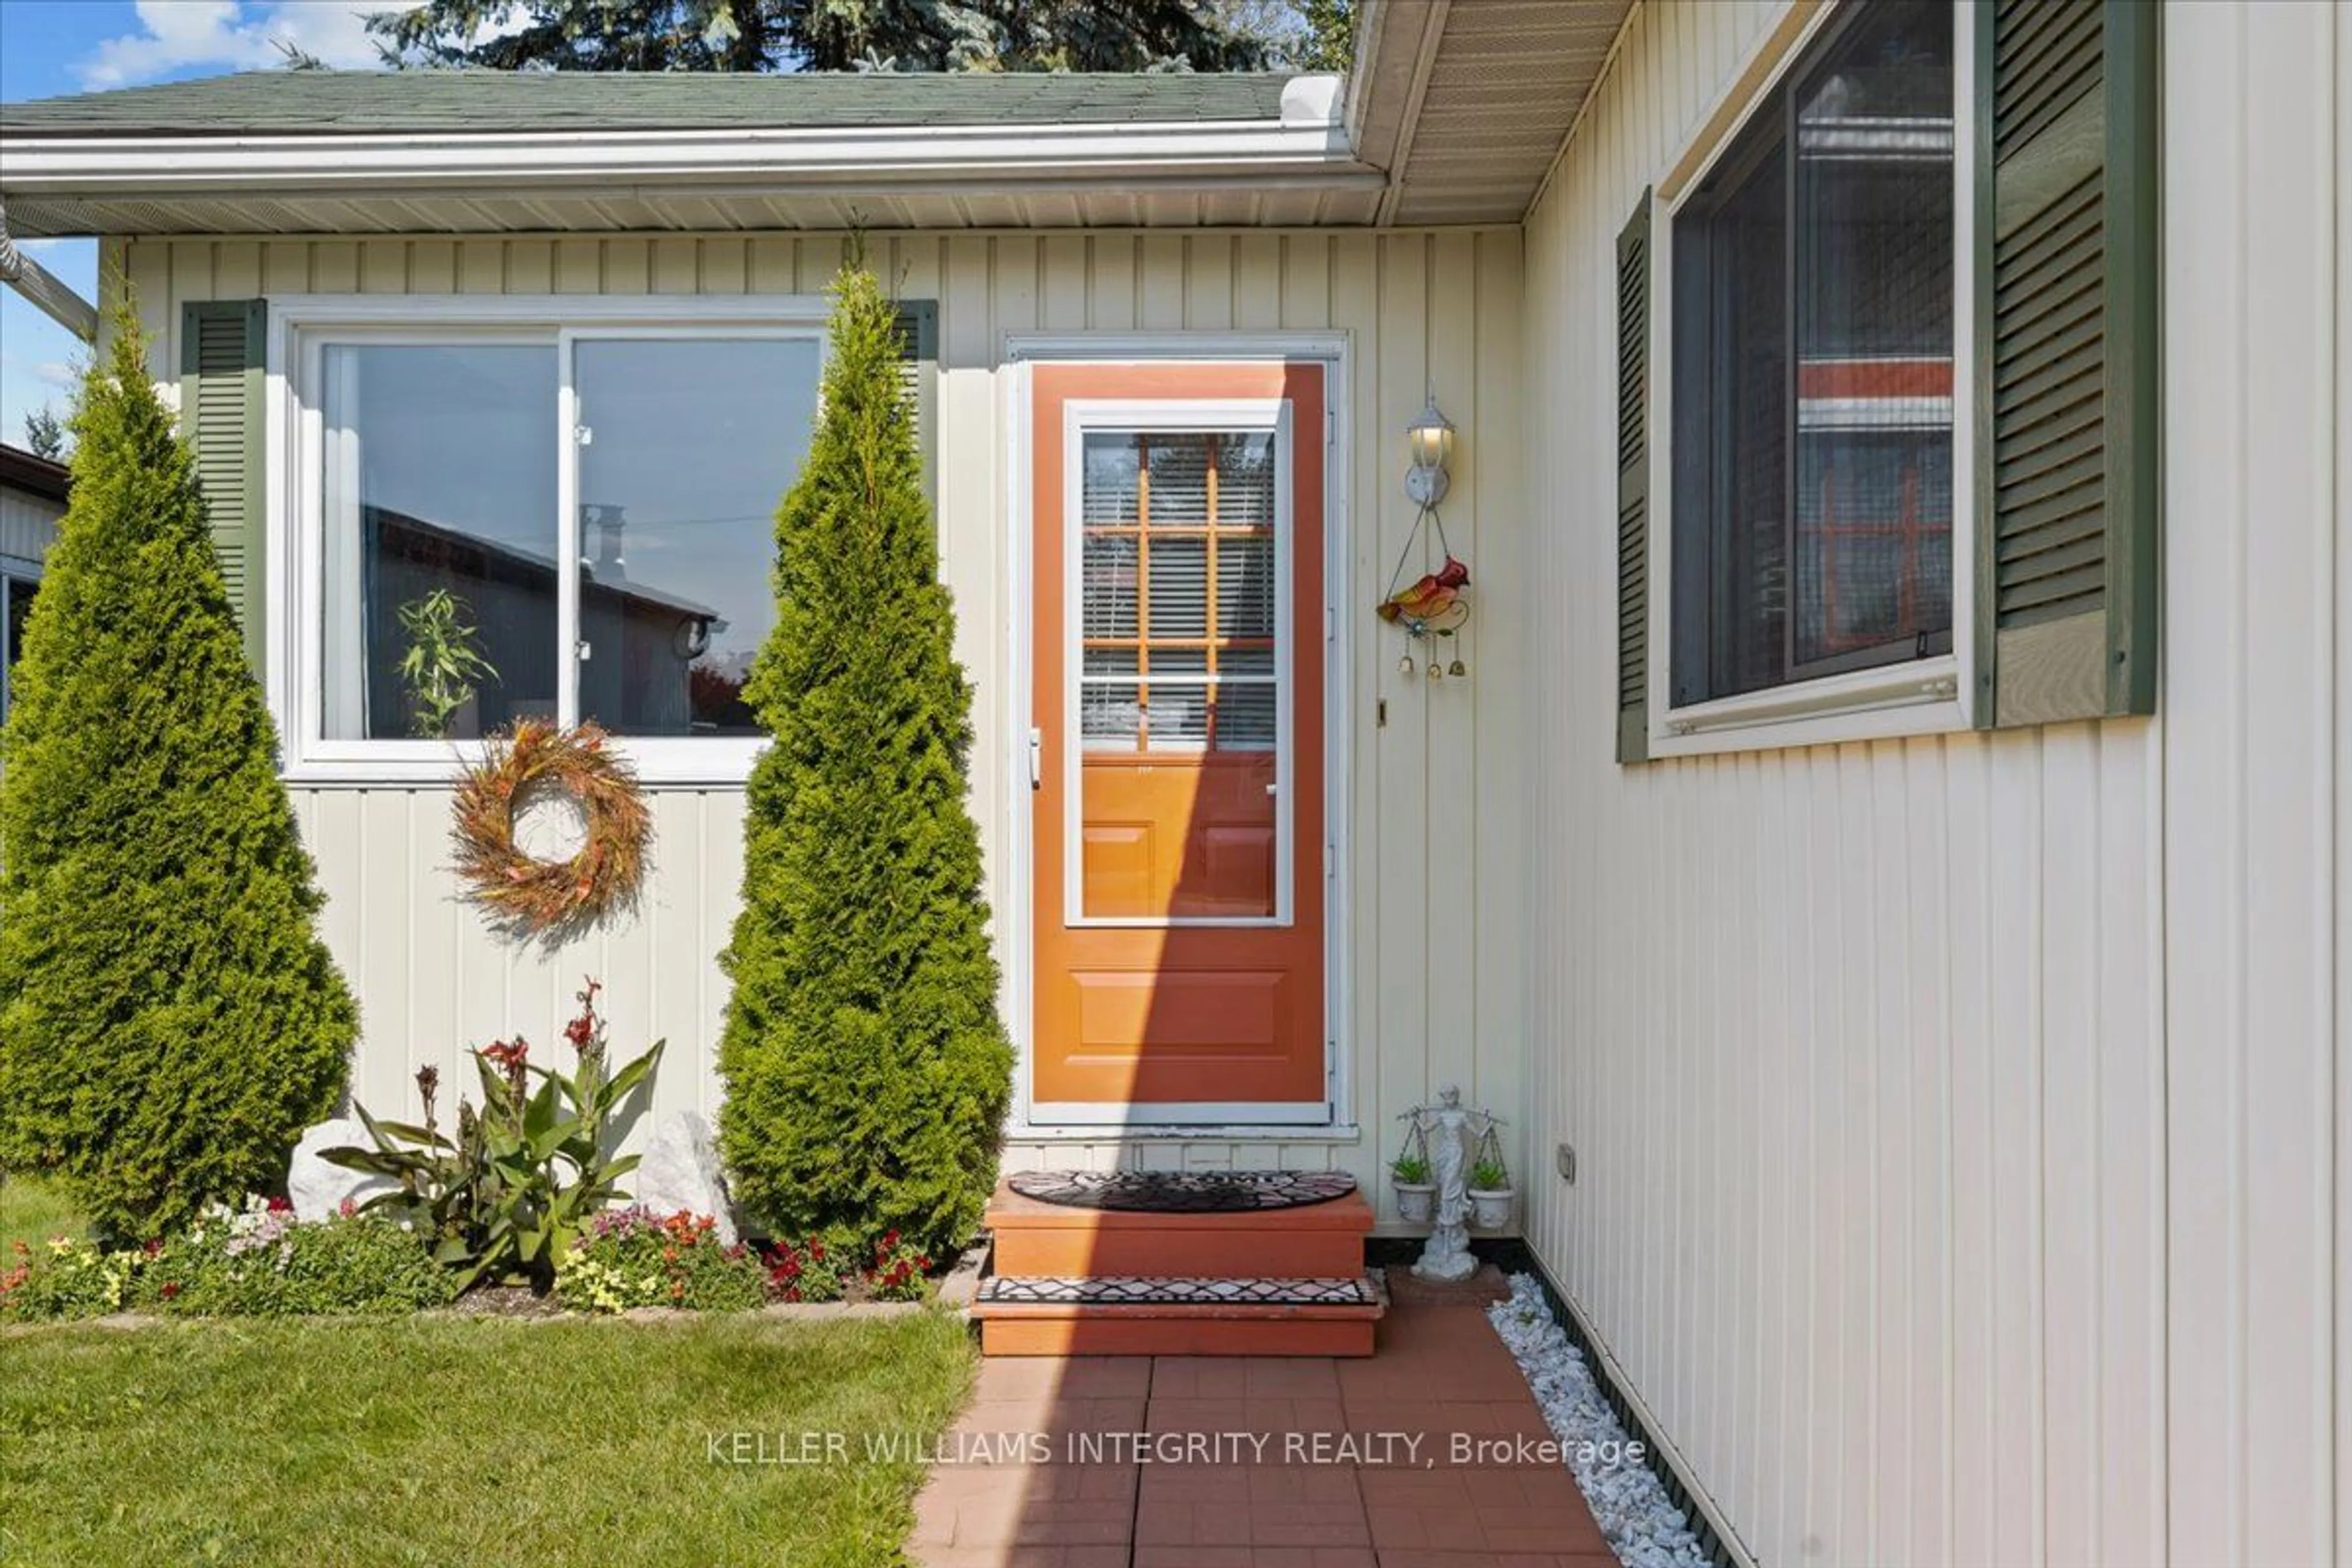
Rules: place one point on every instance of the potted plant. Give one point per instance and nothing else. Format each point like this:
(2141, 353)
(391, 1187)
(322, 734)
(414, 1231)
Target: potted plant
(1490, 1184)
(1416, 1197)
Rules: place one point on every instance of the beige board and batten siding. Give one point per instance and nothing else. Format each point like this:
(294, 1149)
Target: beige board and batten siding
(1438, 844)
(1957, 1117)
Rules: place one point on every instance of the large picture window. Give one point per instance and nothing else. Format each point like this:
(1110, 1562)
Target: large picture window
(1812, 332)
(570, 522)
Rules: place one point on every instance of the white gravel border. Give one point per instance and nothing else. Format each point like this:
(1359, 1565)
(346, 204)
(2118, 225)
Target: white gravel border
(1641, 1523)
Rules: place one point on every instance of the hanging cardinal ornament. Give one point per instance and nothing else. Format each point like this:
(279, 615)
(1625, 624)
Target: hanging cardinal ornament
(1431, 609)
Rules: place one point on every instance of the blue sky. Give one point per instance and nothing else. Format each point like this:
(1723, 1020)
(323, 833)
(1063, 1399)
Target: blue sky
(53, 47)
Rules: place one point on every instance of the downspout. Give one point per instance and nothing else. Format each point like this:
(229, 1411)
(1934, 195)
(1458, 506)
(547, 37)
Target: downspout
(47, 292)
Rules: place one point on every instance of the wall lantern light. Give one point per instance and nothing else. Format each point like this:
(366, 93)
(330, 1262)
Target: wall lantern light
(1431, 609)
(1429, 438)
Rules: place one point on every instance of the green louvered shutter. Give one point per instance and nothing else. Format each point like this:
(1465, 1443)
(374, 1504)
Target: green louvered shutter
(2066, 412)
(1634, 486)
(221, 387)
(919, 332)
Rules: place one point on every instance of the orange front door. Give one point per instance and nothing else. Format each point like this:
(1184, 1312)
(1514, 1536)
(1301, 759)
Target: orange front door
(1178, 586)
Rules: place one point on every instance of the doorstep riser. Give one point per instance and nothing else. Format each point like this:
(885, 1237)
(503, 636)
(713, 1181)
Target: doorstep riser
(1196, 1254)
(1175, 1336)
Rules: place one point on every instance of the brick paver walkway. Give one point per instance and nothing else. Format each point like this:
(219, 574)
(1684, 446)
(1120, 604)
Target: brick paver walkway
(1422, 1456)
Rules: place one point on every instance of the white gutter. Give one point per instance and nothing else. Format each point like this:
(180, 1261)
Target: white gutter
(1308, 145)
(48, 293)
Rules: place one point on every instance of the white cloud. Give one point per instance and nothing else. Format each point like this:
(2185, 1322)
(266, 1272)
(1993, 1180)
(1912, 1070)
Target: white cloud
(230, 34)
(57, 374)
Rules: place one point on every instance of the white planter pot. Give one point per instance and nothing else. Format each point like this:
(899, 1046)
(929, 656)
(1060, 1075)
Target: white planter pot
(1416, 1202)
(1491, 1210)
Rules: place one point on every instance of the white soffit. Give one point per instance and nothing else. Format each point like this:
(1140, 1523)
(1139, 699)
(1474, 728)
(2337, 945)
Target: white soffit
(1466, 102)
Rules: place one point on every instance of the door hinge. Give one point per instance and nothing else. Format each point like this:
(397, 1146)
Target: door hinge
(1330, 624)
(1036, 759)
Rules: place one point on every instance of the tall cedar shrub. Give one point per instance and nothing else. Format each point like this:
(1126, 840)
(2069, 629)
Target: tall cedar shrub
(866, 1071)
(169, 1019)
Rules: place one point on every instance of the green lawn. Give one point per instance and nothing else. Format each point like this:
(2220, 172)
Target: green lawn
(32, 1212)
(446, 1440)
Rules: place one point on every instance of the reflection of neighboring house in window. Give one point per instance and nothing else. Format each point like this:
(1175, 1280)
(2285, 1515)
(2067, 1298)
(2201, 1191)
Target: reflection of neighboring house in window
(1873, 388)
(32, 498)
(644, 643)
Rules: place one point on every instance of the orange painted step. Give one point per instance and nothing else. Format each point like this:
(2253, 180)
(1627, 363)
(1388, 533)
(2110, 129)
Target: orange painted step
(1325, 1239)
(1029, 1336)
(1135, 1315)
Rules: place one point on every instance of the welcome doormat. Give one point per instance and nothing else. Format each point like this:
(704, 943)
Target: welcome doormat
(1184, 1192)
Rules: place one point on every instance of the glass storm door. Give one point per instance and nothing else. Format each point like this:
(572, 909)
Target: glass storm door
(1178, 587)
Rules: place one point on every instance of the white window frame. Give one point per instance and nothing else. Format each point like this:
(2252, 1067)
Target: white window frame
(1269, 415)
(13, 569)
(1912, 697)
(300, 328)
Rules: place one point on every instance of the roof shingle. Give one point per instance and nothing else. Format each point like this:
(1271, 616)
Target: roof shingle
(359, 102)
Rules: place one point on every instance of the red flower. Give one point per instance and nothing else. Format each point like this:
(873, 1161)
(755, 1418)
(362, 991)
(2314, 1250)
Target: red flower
(154, 1246)
(171, 1289)
(580, 1031)
(281, 1205)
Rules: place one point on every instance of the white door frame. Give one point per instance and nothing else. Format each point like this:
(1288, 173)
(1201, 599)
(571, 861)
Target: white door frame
(1031, 1119)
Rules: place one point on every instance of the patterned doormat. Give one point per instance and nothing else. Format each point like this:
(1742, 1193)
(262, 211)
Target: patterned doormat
(1133, 1290)
(1184, 1192)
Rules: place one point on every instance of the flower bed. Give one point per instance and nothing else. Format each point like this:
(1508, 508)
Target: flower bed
(254, 1261)
(632, 1257)
(509, 1212)
(258, 1260)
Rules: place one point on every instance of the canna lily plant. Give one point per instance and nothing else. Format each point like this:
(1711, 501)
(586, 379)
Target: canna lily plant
(506, 1197)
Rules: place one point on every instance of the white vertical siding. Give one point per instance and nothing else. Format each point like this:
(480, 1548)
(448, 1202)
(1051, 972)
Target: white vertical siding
(2254, 786)
(1438, 844)
(1958, 1118)
(28, 523)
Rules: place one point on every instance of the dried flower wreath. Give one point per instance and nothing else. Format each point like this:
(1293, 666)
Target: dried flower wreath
(548, 897)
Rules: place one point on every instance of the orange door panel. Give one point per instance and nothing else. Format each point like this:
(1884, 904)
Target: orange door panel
(1177, 571)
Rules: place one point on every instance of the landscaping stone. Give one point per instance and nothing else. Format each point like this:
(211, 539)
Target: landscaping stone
(680, 1171)
(320, 1189)
(1643, 1524)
